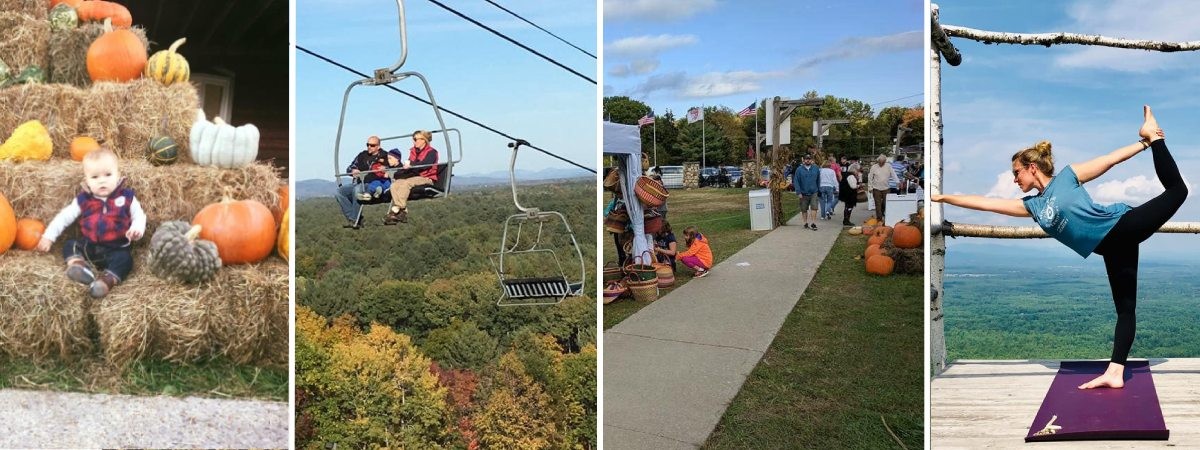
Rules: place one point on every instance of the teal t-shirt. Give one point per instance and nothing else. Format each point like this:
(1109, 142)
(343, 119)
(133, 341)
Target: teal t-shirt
(1067, 213)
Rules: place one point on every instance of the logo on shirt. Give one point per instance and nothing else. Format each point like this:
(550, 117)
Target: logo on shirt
(1049, 212)
(119, 202)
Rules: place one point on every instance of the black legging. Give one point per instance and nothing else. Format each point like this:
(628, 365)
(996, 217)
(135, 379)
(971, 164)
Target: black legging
(1120, 246)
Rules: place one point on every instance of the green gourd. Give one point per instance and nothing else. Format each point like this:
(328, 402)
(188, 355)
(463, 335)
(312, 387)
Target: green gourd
(31, 74)
(5, 74)
(63, 17)
(176, 254)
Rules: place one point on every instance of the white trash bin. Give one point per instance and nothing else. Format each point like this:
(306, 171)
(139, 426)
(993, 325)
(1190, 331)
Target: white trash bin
(762, 218)
(899, 207)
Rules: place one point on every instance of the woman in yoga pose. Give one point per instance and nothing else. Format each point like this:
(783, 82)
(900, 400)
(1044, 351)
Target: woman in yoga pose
(1065, 211)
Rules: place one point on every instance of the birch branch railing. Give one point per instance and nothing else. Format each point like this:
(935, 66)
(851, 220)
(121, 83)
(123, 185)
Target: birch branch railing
(1048, 39)
(1010, 232)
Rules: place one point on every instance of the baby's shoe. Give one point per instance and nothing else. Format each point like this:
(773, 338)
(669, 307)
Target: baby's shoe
(378, 191)
(80, 271)
(102, 285)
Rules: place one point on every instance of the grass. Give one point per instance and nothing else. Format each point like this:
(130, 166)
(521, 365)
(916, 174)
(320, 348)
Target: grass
(214, 379)
(849, 354)
(721, 214)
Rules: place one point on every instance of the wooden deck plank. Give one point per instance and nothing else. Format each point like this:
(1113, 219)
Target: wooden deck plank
(989, 404)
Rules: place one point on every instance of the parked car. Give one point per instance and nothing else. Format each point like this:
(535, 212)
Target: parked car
(735, 175)
(672, 176)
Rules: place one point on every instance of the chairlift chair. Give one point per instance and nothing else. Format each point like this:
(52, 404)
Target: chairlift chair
(385, 77)
(550, 285)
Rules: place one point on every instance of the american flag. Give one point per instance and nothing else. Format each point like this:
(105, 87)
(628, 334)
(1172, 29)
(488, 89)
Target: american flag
(749, 111)
(649, 119)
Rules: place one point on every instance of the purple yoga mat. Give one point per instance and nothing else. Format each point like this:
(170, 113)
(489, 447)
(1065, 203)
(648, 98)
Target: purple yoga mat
(1129, 413)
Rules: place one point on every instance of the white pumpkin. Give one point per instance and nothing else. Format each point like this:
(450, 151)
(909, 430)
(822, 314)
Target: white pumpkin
(219, 144)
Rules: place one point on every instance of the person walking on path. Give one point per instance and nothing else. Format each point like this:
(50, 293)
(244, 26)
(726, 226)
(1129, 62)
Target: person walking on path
(1067, 213)
(877, 181)
(848, 192)
(828, 190)
(806, 181)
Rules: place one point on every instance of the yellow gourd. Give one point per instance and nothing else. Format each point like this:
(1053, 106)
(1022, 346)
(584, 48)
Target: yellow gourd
(29, 141)
(284, 242)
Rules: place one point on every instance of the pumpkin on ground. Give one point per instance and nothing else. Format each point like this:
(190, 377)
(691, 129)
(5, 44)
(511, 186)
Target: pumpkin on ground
(219, 144)
(8, 225)
(871, 221)
(167, 66)
(81, 146)
(175, 253)
(906, 236)
(30, 141)
(285, 236)
(29, 233)
(103, 11)
(872, 250)
(244, 230)
(855, 231)
(876, 240)
(117, 55)
(880, 265)
(162, 150)
(882, 230)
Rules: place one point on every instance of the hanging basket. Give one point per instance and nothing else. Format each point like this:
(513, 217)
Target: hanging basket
(611, 180)
(644, 291)
(666, 275)
(617, 220)
(653, 223)
(614, 290)
(650, 192)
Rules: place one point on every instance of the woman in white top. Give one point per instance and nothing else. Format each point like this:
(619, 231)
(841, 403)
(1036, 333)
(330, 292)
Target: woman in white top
(828, 190)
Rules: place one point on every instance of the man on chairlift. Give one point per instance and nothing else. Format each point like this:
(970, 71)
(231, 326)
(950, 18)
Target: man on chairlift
(347, 194)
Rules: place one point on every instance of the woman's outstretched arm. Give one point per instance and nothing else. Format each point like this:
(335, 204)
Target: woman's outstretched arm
(1090, 170)
(1006, 206)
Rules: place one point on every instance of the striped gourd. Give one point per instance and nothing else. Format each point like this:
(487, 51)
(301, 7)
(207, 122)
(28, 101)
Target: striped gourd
(167, 66)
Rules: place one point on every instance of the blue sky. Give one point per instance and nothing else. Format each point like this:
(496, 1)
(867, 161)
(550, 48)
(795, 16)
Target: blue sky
(470, 71)
(1085, 100)
(676, 54)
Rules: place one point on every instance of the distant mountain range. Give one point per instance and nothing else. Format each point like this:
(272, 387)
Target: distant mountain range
(313, 188)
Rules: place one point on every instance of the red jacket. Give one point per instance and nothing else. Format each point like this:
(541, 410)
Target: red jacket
(425, 156)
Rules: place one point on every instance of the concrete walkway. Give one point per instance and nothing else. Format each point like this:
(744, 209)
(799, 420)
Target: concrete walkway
(671, 369)
(43, 419)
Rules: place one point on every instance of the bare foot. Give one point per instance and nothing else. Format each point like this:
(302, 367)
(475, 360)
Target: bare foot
(1113, 378)
(1149, 130)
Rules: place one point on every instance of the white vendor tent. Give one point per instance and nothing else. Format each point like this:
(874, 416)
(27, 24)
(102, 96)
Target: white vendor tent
(624, 142)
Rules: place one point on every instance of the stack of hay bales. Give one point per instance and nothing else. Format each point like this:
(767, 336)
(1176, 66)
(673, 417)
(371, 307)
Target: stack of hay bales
(242, 314)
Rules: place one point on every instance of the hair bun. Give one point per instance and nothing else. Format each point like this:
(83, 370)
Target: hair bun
(1043, 148)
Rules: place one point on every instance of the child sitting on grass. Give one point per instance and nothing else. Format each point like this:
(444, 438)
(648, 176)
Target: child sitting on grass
(110, 219)
(698, 255)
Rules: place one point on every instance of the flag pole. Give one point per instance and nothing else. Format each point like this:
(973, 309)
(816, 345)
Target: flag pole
(703, 144)
(654, 139)
(757, 159)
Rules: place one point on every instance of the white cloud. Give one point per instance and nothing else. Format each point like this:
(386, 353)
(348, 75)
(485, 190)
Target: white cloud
(639, 67)
(860, 47)
(1005, 187)
(1164, 20)
(1132, 191)
(655, 10)
(718, 84)
(648, 45)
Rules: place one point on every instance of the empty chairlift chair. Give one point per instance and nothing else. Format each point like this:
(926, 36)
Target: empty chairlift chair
(527, 264)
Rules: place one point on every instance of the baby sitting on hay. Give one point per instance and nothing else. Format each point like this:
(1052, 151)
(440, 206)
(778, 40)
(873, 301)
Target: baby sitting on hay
(110, 219)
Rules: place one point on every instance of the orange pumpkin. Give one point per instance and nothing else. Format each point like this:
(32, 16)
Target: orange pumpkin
(868, 230)
(98, 10)
(29, 232)
(283, 204)
(244, 230)
(871, 222)
(882, 230)
(117, 55)
(81, 146)
(876, 240)
(906, 236)
(8, 225)
(880, 265)
(872, 250)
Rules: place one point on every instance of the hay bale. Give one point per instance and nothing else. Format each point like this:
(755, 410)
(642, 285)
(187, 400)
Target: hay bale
(39, 189)
(35, 8)
(242, 315)
(42, 313)
(68, 52)
(25, 40)
(909, 261)
(122, 115)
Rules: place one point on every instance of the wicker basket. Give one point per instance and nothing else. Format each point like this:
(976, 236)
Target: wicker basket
(614, 290)
(652, 223)
(613, 272)
(612, 180)
(666, 275)
(642, 272)
(650, 192)
(617, 220)
(644, 291)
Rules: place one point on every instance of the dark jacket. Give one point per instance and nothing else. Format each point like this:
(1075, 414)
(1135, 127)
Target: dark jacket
(365, 160)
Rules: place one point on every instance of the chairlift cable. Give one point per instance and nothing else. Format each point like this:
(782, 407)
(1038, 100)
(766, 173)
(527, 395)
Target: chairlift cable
(540, 28)
(455, 114)
(513, 41)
